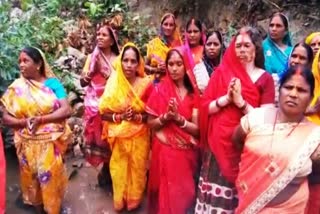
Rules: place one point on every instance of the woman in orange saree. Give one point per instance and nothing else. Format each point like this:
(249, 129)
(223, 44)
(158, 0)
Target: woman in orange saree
(174, 118)
(2, 175)
(96, 72)
(158, 47)
(122, 109)
(279, 145)
(37, 108)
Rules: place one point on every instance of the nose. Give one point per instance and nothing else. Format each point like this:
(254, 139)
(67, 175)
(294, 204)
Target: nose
(293, 93)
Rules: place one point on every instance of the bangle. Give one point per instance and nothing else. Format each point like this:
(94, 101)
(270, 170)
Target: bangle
(217, 103)
(243, 106)
(41, 120)
(138, 118)
(184, 125)
(118, 118)
(161, 119)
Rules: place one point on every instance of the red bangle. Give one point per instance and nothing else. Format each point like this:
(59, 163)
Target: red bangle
(244, 106)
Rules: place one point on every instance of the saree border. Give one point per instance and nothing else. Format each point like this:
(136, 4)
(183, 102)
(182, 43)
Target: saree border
(295, 165)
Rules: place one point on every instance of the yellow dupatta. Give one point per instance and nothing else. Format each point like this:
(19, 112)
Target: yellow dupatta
(311, 36)
(118, 95)
(315, 118)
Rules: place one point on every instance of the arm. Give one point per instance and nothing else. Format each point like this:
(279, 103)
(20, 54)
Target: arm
(216, 105)
(156, 123)
(238, 137)
(86, 77)
(192, 127)
(13, 122)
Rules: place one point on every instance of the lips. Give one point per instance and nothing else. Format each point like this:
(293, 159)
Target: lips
(291, 103)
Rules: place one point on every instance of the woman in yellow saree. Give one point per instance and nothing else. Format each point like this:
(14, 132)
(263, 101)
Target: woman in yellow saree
(122, 108)
(158, 47)
(37, 108)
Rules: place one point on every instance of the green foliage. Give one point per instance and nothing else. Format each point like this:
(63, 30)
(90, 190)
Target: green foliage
(98, 9)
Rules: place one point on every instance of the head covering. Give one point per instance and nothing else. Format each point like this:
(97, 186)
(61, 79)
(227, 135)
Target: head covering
(47, 70)
(176, 39)
(217, 129)
(316, 73)
(311, 36)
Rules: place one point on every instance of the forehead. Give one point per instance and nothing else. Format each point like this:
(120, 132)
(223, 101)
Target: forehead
(103, 29)
(24, 55)
(130, 54)
(300, 50)
(175, 56)
(297, 80)
(243, 38)
(316, 39)
(213, 38)
(192, 26)
(277, 20)
(168, 19)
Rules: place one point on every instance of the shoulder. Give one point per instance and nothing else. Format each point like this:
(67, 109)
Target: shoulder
(53, 81)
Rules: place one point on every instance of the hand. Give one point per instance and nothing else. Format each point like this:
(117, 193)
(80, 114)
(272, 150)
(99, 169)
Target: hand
(173, 105)
(128, 114)
(33, 123)
(236, 92)
(161, 68)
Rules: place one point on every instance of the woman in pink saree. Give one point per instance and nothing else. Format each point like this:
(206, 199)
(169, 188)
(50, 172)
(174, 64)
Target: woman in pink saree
(279, 148)
(96, 72)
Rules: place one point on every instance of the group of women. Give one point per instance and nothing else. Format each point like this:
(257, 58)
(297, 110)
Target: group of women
(221, 140)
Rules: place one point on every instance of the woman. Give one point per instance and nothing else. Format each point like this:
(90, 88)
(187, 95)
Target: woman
(277, 46)
(279, 145)
(314, 41)
(37, 108)
(122, 108)
(173, 116)
(238, 85)
(194, 41)
(96, 72)
(158, 48)
(313, 116)
(211, 59)
(2, 173)
(301, 55)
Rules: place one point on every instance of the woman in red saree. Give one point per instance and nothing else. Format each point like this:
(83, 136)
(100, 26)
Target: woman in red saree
(279, 146)
(173, 115)
(2, 174)
(194, 41)
(96, 72)
(238, 85)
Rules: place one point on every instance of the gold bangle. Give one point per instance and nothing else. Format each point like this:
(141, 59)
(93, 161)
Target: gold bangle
(184, 125)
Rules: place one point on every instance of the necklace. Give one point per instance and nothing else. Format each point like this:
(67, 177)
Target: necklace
(273, 169)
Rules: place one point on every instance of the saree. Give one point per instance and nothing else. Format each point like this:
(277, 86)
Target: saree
(314, 182)
(2, 178)
(195, 54)
(40, 155)
(275, 58)
(96, 150)
(274, 155)
(128, 140)
(310, 37)
(216, 190)
(175, 160)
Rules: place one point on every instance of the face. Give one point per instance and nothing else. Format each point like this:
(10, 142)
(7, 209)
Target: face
(27, 66)
(299, 56)
(315, 44)
(168, 26)
(176, 67)
(193, 34)
(104, 39)
(130, 63)
(295, 96)
(277, 30)
(245, 49)
(213, 46)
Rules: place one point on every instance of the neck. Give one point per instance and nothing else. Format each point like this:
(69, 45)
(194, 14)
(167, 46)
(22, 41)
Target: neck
(38, 78)
(279, 43)
(132, 79)
(214, 61)
(179, 83)
(106, 51)
(250, 67)
(283, 118)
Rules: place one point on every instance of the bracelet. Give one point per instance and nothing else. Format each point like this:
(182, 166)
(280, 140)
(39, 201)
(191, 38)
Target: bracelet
(138, 118)
(184, 125)
(114, 117)
(244, 106)
(217, 103)
(118, 118)
(161, 119)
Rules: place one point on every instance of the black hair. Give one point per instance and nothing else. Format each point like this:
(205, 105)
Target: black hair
(36, 56)
(256, 39)
(186, 79)
(114, 46)
(304, 71)
(308, 50)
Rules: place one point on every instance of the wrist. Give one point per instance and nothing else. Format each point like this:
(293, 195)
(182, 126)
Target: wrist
(240, 103)
(223, 101)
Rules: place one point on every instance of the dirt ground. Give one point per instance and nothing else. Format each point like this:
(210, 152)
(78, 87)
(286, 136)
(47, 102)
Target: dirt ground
(83, 195)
